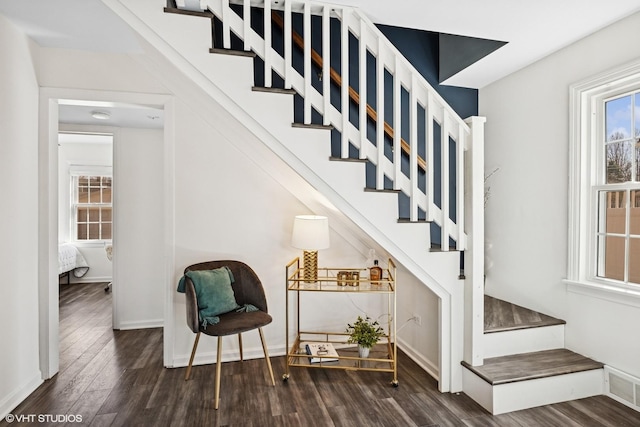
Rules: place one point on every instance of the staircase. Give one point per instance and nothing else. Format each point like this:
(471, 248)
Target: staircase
(345, 133)
(526, 364)
(418, 162)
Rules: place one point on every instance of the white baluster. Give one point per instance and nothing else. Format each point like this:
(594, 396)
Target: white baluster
(460, 188)
(246, 24)
(226, 29)
(413, 144)
(397, 125)
(326, 63)
(363, 91)
(344, 93)
(307, 62)
(380, 115)
(430, 172)
(288, 70)
(267, 43)
(444, 180)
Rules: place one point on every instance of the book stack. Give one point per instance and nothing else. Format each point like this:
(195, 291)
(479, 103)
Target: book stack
(321, 352)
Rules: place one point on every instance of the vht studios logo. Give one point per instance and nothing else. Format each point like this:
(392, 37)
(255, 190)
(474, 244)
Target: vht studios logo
(43, 418)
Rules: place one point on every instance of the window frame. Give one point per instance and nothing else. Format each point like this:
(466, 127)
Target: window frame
(75, 172)
(586, 133)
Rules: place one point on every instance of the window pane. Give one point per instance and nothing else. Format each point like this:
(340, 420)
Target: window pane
(612, 212)
(94, 231)
(634, 223)
(618, 162)
(618, 118)
(613, 258)
(637, 118)
(634, 260)
(82, 231)
(82, 215)
(106, 214)
(106, 195)
(106, 230)
(94, 214)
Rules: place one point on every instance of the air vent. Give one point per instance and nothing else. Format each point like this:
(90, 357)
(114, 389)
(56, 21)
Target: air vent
(622, 387)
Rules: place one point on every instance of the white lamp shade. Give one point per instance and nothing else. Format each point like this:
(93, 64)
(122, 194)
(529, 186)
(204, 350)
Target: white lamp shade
(310, 232)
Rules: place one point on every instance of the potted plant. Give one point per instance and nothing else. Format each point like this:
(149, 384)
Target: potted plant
(365, 333)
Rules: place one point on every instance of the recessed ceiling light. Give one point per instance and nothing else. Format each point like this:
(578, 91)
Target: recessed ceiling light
(100, 115)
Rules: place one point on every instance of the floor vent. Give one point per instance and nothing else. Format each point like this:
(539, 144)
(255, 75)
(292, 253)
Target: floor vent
(622, 387)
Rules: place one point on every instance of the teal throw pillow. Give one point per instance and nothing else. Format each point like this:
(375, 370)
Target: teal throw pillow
(214, 293)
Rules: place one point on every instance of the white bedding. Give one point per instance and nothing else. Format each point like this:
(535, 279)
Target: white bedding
(70, 259)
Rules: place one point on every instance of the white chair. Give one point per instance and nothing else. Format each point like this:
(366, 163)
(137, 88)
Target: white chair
(109, 250)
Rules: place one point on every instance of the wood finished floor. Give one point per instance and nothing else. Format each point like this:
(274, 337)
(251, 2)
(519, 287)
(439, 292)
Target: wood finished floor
(504, 316)
(116, 378)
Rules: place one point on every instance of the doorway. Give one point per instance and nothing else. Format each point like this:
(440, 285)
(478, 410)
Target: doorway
(130, 152)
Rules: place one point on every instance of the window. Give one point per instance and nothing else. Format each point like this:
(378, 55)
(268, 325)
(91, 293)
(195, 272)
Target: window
(604, 195)
(618, 197)
(92, 207)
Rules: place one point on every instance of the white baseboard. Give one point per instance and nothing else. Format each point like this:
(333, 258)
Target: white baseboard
(143, 324)
(11, 401)
(230, 355)
(431, 368)
(85, 279)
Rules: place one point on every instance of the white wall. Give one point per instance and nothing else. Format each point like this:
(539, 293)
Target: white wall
(138, 245)
(19, 362)
(82, 153)
(527, 136)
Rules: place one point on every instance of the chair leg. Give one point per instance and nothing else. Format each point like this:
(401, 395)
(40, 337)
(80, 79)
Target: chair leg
(193, 354)
(266, 356)
(240, 346)
(218, 366)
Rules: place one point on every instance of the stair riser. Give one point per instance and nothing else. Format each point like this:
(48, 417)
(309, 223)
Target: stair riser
(523, 341)
(515, 396)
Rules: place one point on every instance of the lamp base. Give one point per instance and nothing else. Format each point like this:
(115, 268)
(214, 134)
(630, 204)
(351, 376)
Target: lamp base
(310, 266)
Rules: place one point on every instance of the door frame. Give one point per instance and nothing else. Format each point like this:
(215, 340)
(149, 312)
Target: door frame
(48, 293)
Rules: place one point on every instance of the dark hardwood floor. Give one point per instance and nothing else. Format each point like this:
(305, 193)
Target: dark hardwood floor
(116, 378)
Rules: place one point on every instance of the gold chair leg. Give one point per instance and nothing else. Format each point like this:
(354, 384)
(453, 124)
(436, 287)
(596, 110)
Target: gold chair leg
(240, 346)
(266, 356)
(218, 366)
(193, 354)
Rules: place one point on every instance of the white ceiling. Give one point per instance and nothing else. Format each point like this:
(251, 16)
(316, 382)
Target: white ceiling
(533, 29)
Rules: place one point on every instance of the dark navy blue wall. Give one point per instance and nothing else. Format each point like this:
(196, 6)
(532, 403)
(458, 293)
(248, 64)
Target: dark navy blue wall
(421, 49)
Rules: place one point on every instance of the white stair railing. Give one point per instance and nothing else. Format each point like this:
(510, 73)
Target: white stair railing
(427, 110)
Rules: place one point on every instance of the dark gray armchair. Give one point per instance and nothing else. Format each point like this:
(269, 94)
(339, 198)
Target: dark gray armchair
(248, 290)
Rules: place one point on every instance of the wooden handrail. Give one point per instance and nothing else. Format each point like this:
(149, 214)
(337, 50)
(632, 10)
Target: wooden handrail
(353, 95)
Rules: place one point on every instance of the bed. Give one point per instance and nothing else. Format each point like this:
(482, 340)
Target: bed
(71, 261)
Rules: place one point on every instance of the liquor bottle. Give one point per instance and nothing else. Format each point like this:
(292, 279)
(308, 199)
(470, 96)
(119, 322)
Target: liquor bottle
(375, 273)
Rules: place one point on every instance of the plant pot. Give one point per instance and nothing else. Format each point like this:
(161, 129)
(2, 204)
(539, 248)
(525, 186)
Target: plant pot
(363, 352)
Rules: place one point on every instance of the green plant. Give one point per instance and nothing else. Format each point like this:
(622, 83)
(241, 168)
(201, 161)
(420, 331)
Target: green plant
(364, 332)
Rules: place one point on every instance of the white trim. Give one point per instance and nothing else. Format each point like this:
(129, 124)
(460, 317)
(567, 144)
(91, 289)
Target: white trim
(146, 324)
(428, 366)
(13, 399)
(48, 211)
(616, 293)
(584, 99)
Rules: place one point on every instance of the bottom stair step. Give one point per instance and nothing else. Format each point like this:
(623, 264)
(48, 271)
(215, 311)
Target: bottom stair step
(521, 381)
(527, 366)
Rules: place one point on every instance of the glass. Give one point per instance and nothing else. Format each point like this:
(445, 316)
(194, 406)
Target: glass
(94, 231)
(82, 231)
(618, 118)
(106, 230)
(94, 214)
(634, 260)
(634, 217)
(106, 214)
(618, 162)
(612, 212)
(83, 214)
(613, 257)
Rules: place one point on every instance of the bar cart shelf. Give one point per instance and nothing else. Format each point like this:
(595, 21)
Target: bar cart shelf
(382, 357)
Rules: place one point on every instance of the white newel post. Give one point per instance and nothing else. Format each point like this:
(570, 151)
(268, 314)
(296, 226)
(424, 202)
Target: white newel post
(474, 255)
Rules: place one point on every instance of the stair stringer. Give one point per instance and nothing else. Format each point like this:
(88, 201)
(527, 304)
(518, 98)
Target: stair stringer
(184, 41)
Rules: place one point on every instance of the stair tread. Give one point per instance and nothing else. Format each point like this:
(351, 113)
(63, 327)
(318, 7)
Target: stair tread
(500, 316)
(535, 365)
